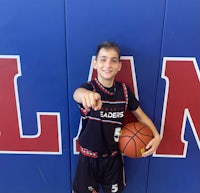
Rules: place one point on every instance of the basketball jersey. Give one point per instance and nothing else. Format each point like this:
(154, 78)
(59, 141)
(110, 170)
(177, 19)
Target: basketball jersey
(101, 129)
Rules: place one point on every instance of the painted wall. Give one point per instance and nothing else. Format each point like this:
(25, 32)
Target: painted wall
(46, 49)
(34, 120)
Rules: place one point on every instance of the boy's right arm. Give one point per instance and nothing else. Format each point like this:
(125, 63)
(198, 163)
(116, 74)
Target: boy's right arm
(88, 99)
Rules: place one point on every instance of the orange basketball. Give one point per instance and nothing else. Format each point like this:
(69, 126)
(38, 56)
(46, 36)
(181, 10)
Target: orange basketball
(134, 138)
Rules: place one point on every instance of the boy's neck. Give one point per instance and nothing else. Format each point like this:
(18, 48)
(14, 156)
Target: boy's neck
(106, 83)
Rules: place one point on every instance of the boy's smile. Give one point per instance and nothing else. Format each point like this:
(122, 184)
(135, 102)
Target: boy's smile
(107, 65)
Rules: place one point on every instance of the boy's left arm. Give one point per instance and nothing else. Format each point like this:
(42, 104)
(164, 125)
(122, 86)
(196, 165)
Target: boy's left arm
(154, 143)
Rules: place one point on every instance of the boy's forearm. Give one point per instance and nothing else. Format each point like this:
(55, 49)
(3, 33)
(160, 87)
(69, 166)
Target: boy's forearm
(88, 99)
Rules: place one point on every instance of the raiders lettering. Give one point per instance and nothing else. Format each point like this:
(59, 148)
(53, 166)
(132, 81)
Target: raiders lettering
(111, 114)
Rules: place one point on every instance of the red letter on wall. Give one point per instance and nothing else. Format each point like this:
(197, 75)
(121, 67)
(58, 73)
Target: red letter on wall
(126, 75)
(46, 141)
(182, 102)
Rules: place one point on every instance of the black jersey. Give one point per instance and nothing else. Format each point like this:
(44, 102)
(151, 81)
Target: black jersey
(101, 129)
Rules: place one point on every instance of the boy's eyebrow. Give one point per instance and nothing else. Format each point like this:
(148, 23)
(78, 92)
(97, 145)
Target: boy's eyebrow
(108, 57)
(102, 56)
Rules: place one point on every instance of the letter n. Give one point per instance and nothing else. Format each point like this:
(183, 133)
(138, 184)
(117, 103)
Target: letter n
(182, 102)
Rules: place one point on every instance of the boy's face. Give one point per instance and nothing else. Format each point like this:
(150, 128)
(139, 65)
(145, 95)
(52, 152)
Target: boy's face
(107, 64)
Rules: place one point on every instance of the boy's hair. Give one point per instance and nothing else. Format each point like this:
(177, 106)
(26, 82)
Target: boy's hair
(108, 45)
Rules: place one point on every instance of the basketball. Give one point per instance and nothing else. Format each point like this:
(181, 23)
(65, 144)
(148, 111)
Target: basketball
(134, 138)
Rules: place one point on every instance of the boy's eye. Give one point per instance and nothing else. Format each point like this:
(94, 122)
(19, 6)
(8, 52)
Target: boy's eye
(114, 60)
(102, 59)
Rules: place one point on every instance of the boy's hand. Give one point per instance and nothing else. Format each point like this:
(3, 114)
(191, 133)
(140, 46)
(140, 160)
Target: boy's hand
(91, 100)
(152, 146)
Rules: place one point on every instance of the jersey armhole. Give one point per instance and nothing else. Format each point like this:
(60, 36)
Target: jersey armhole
(124, 88)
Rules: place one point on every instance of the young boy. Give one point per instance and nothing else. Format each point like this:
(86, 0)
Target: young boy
(102, 104)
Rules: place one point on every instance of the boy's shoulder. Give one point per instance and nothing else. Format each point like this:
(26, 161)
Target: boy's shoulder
(119, 83)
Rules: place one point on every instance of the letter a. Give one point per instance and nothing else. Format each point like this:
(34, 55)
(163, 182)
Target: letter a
(126, 75)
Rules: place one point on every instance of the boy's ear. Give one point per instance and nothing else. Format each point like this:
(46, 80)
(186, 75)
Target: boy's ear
(95, 64)
(120, 66)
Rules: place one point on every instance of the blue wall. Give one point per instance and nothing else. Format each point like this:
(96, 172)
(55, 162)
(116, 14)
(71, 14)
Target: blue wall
(54, 42)
(35, 31)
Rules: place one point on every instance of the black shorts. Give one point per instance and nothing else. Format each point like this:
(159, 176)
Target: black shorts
(91, 173)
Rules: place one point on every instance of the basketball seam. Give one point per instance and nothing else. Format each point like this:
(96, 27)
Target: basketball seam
(131, 138)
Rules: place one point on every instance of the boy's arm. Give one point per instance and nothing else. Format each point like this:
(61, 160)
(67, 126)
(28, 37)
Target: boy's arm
(88, 99)
(154, 143)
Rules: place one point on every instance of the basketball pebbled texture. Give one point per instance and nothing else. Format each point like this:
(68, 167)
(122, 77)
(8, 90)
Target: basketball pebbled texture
(134, 138)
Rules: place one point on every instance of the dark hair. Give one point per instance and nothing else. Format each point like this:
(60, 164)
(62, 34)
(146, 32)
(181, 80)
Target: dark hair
(108, 45)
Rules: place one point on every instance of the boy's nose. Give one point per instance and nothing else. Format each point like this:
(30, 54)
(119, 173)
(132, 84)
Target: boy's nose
(108, 63)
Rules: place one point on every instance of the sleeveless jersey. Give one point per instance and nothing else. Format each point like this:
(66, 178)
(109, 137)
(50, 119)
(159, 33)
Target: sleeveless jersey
(101, 129)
